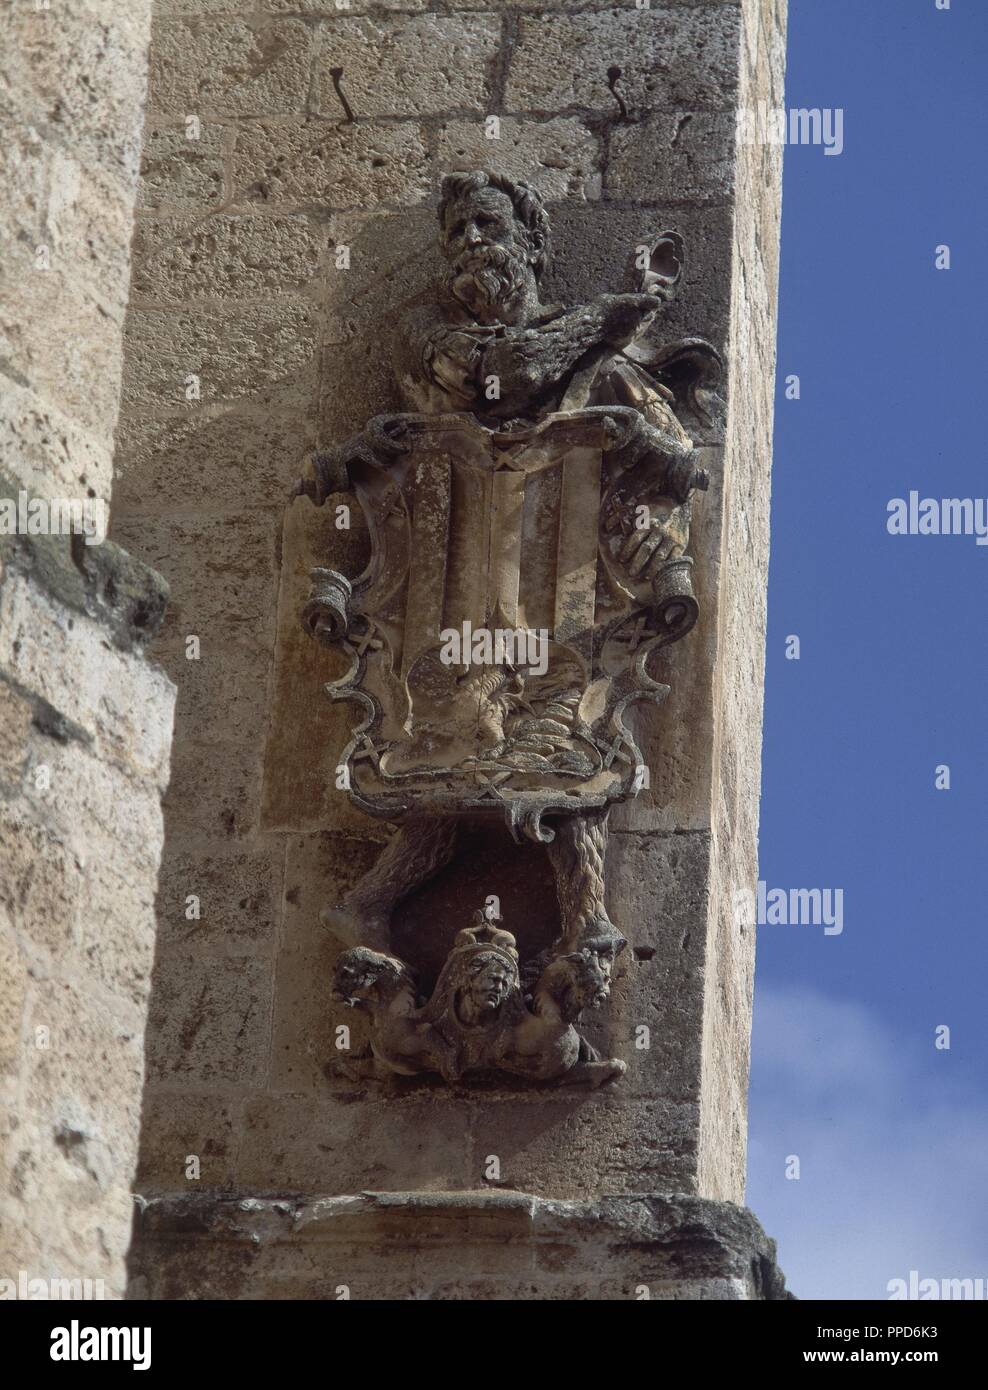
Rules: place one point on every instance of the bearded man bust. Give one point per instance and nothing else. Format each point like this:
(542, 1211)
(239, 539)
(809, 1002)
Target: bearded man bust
(483, 342)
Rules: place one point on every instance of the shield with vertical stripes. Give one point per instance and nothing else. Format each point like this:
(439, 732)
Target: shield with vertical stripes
(494, 645)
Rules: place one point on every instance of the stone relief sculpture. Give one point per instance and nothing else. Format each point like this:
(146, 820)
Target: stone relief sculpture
(529, 519)
(478, 1017)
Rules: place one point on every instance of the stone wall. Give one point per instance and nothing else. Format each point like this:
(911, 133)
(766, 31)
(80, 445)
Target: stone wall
(85, 720)
(249, 344)
(477, 1246)
(739, 675)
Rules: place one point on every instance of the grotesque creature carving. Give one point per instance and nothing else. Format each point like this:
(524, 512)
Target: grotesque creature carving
(529, 518)
(478, 1018)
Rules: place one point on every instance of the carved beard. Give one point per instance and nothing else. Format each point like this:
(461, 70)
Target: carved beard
(488, 279)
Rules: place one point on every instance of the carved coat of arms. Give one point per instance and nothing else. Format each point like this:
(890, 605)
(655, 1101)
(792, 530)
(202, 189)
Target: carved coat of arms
(529, 523)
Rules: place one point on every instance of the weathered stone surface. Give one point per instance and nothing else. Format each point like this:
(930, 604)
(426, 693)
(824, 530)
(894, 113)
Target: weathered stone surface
(560, 158)
(318, 869)
(261, 351)
(124, 596)
(221, 456)
(122, 703)
(576, 1144)
(177, 171)
(90, 804)
(63, 346)
(735, 788)
(66, 218)
(13, 973)
(396, 254)
(83, 1064)
(542, 6)
(340, 8)
(596, 243)
(230, 595)
(390, 256)
(550, 1146)
(472, 1245)
(73, 1146)
(430, 750)
(657, 889)
(44, 451)
(16, 717)
(337, 10)
(349, 1139)
(214, 791)
(168, 9)
(239, 897)
(209, 1019)
(677, 736)
(85, 721)
(228, 258)
(116, 929)
(678, 1119)
(229, 67)
(678, 154)
(685, 57)
(179, 1126)
(43, 881)
(220, 695)
(98, 121)
(306, 737)
(295, 163)
(408, 66)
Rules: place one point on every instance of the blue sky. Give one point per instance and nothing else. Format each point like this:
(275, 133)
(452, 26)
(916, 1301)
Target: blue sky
(891, 1133)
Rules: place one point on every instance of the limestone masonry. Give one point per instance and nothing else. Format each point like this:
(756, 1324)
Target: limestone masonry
(222, 260)
(85, 719)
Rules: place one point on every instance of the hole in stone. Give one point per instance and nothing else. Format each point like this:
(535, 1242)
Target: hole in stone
(68, 1139)
(644, 952)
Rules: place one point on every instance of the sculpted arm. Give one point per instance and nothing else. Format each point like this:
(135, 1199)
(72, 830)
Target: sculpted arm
(455, 363)
(529, 361)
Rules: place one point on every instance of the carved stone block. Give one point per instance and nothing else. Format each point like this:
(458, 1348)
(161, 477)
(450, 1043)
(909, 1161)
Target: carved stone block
(529, 521)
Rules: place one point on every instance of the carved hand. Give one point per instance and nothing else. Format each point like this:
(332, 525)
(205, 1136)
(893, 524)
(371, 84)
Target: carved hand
(623, 316)
(529, 360)
(644, 551)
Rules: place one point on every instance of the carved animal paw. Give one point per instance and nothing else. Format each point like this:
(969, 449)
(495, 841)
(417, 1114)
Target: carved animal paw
(596, 1074)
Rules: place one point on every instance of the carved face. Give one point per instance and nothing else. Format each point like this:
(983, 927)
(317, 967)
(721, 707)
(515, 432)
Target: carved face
(592, 978)
(488, 982)
(489, 251)
(478, 221)
(575, 982)
(605, 946)
(605, 958)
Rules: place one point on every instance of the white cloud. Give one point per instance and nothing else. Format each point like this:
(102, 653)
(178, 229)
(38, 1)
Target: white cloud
(892, 1151)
